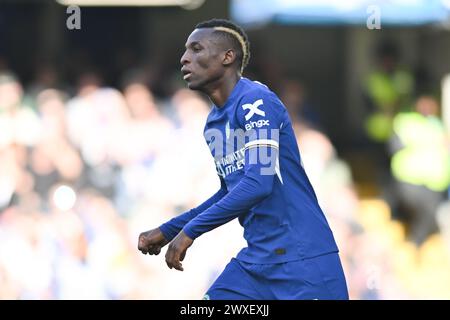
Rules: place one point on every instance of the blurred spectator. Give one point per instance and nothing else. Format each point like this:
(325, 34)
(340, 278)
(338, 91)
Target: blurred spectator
(46, 78)
(293, 95)
(389, 89)
(421, 165)
(19, 122)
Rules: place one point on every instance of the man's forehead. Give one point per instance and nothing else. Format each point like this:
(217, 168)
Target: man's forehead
(199, 35)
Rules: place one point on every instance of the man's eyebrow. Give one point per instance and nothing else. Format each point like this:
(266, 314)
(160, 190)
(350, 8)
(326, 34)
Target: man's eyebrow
(193, 43)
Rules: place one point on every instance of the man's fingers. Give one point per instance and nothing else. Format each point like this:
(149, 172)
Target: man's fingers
(176, 264)
(140, 243)
(150, 250)
(141, 246)
(179, 267)
(169, 255)
(173, 258)
(154, 250)
(176, 261)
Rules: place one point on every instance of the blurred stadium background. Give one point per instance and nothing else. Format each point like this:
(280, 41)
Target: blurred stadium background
(100, 140)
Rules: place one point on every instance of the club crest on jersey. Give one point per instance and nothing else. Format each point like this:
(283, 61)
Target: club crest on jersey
(256, 124)
(253, 109)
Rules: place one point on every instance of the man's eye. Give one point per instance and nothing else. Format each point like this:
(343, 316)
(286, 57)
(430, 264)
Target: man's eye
(196, 49)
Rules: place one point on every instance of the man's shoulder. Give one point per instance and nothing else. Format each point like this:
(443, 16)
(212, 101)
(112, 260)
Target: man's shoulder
(254, 89)
(257, 93)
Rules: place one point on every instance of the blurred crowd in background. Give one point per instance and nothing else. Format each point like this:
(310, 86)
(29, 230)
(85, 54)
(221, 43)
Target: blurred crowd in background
(85, 169)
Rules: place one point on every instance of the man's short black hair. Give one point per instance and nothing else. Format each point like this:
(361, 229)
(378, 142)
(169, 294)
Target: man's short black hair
(235, 34)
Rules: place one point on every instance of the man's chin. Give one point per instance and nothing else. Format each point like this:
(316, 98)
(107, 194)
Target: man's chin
(193, 86)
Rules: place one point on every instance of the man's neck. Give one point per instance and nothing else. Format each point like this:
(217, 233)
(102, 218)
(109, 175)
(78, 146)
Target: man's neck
(221, 90)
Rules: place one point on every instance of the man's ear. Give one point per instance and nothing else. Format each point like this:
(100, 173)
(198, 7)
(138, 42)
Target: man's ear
(229, 57)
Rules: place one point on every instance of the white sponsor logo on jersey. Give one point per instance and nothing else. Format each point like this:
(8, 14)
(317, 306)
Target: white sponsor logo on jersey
(256, 124)
(253, 109)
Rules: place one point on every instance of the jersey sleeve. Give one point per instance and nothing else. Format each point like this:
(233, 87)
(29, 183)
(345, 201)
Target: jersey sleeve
(258, 116)
(172, 227)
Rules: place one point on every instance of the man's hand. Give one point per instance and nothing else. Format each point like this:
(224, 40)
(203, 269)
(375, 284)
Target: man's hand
(151, 241)
(177, 251)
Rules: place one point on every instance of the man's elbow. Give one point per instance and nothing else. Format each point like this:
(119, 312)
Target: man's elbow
(260, 186)
(265, 188)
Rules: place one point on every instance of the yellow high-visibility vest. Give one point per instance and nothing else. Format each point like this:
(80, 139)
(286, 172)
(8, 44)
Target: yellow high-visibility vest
(425, 158)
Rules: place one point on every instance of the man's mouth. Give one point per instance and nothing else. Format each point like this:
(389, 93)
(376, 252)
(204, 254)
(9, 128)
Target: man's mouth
(186, 74)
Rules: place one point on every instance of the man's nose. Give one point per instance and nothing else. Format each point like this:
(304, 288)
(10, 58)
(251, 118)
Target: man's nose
(184, 58)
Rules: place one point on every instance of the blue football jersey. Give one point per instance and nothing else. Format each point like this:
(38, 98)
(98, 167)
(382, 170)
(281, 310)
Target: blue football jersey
(263, 182)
